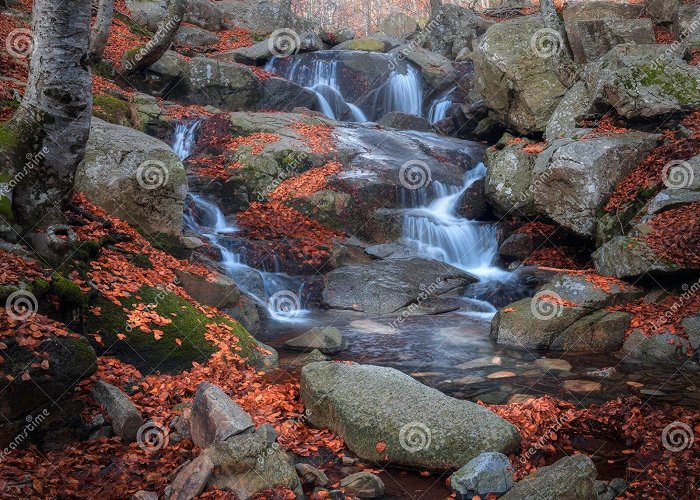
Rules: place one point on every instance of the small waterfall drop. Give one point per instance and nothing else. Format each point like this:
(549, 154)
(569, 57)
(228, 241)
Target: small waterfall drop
(184, 138)
(404, 93)
(439, 106)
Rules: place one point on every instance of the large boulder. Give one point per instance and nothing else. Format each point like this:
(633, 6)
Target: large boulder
(662, 11)
(572, 179)
(518, 86)
(215, 416)
(685, 20)
(135, 177)
(280, 94)
(660, 348)
(509, 178)
(150, 13)
(397, 24)
(373, 43)
(126, 418)
(451, 29)
(628, 257)
(387, 417)
(225, 85)
(571, 478)
(435, 69)
(385, 286)
(593, 28)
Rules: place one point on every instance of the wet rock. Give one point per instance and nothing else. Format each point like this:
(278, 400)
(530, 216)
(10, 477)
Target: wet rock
(487, 473)
(374, 43)
(191, 480)
(283, 95)
(572, 179)
(386, 286)
(500, 374)
(246, 464)
(586, 386)
(571, 478)
(363, 485)
(326, 339)
(389, 251)
(509, 178)
(405, 121)
(520, 88)
(473, 203)
(553, 364)
(419, 426)
(134, 177)
(219, 291)
(215, 416)
(126, 418)
(519, 246)
(311, 475)
(661, 348)
(602, 373)
(600, 331)
(435, 69)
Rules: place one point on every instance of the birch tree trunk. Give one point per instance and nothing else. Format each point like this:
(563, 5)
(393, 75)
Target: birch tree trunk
(100, 30)
(562, 61)
(140, 58)
(52, 124)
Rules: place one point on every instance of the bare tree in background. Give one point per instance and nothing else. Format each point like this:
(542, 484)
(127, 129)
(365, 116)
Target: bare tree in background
(100, 29)
(562, 61)
(52, 124)
(142, 57)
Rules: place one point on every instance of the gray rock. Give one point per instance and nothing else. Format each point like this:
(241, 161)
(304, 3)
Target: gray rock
(489, 472)
(144, 495)
(191, 36)
(389, 251)
(610, 490)
(577, 289)
(420, 426)
(662, 11)
(126, 418)
(135, 177)
(311, 357)
(473, 203)
(509, 178)
(224, 85)
(282, 95)
(248, 463)
(204, 14)
(397, 24)
(672, 198)
(450, 29)
(685, 24)
(147, 13)
(692, 329)
(191, 480)
(326, 339)
(571, 478)
(572, 179)
(269, 432)
(405, 121)
(435, 69)
(601, 331)
(520, 88)
(386, 286)
(373, 43)
(519, 246)
(661, 348)
(363, 485)
(625, 257)
(222, 292)
(215, 416)
(311, 475)
(576, 103)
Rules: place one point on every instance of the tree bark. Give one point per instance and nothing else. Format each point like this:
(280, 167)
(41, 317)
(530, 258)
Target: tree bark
(100, 30)
(142, 57)
(562, 60)
(52, 124)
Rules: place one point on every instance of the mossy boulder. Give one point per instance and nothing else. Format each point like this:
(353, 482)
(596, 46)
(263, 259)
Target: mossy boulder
(626, 257)
(182, 342)
(112, 110)
(369, 44)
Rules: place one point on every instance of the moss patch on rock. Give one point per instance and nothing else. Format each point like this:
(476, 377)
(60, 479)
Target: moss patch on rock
(112, 110)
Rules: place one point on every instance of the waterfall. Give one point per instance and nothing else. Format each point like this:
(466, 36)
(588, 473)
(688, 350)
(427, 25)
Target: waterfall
(440, 106)
(321, 74)
(184, 138)
(438, 232)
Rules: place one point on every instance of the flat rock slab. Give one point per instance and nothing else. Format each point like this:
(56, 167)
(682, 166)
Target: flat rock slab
(387, 417)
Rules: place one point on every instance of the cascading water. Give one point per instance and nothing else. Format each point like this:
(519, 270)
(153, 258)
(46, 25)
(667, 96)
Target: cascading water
(184, 138)
(319, 72)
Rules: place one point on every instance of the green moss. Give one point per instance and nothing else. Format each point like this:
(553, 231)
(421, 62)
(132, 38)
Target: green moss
(112, 110)
(677, 83)
(89, 248)
(70, 294)
(142, 349)
(40, 287)
(6, 209)
(135, 28)
(259, 37)
(366, 44)
(8, 138)
(296, 161)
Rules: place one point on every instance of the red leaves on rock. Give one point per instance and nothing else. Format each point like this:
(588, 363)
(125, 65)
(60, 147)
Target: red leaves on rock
(307, 183)
(675, 235)
(14, 269)
(319, 138)
(256, 141)
(234, 39)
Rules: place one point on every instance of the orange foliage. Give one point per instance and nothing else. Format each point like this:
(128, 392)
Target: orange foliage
(319, 137)
(257, 141)
(234, 39)
(306, 184)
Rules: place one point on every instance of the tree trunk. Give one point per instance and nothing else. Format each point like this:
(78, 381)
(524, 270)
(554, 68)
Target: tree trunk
(52, 124)
(142, 57)
(100, 30)
(562, 60)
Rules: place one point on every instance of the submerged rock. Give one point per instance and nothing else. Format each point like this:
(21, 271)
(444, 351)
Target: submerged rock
(385, 417)
(327, 339)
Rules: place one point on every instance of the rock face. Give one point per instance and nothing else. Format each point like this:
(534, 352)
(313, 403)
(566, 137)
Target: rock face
(572, 179)
(218, 291)
(625, 257)
(224, 85)
(405, 121)
(385, 416)
(490, 472)
(215, 417)
(191, 480)
(328, 340)
(363, 485)
(662, 348)
(593, 28)
(435, 69)
(248, 463)
(126, 418)
(519, 87)
(452, 29)
(509, 178)
(135, 177)
(386, 286)
(685, 24)
(571, 478)
(397, 24)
